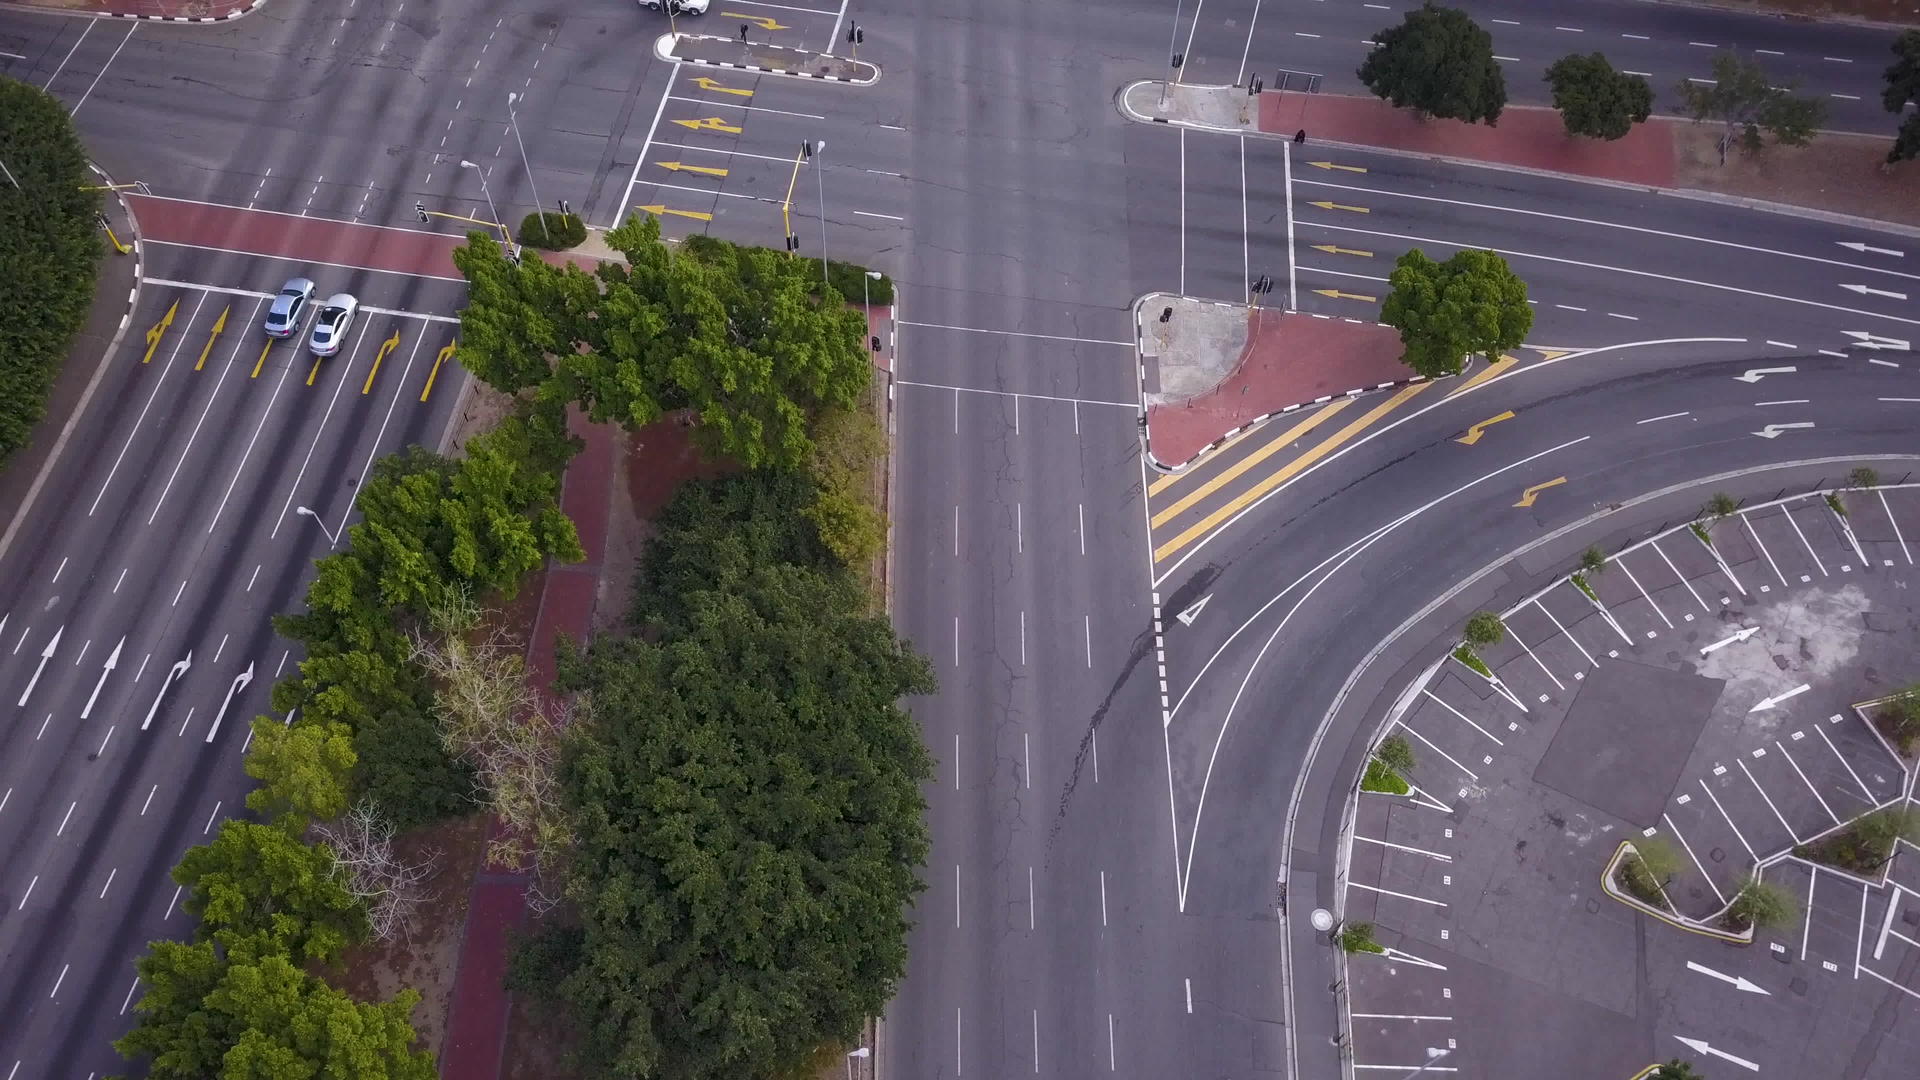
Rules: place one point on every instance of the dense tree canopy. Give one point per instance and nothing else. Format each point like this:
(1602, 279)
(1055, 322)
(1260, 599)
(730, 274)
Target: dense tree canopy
(1472, 303)
(1903, 89)
(1437, 62)
(1595, 100)
(261, 881)
(1750, 106)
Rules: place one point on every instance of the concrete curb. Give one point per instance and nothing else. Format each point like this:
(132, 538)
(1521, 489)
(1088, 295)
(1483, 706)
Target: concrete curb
(252, 7)
(1784, 16)
(1829, 217)
(663, 49)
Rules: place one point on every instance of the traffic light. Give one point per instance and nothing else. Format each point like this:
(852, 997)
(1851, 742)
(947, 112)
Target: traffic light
(855, 35)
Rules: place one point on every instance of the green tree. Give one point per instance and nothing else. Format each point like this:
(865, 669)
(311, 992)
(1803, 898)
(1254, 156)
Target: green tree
(1903, 75)
(1485, 628)
(1720, 505)
(1761, 904)
(1751, 106)
(847, 445)
(1906, 142)
(745, 796)
(49, 252)
(1595, 100)
(1437, 62)
(1675, 1070)
(1593, 561)
(1471, 303)
(715, 533)
(1659, 858)
(260, 880)
(305, 771)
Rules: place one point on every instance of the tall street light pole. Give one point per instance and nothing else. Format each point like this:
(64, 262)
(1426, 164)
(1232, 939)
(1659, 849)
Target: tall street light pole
(1173, 42)
(866, 292)
(513, 120)
(465, 164)
(851, 1054)
(333, 538)
(820, 174)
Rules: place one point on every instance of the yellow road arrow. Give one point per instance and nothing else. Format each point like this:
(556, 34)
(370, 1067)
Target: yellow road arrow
(159, 330)
(1491, 371)
(314, 372)
(1341, 206)
(764, 22)
(1331, 165)
(385, 348)
(1333, 249)
(262, 362)
(705, 83)
(1473, 433)
(219, 325)
(445, 354)
(697, 215)
(1338, 295)
(705, 170)
(710, 123)
(1527, 496)
(1549, 353)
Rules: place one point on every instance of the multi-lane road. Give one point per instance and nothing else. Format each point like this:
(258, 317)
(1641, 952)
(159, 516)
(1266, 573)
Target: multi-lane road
(1082, 917)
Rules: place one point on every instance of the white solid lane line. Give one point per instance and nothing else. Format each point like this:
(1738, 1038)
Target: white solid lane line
(1436, 856)
(138, 420)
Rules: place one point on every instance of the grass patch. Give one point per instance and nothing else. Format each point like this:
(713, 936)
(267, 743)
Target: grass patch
(1759, 904)
(1834, 504)
(1898, 719)
(1358, 938)
(551, 231)
(1700, 531)
(1381, 777)
(1467, 656)
(1864, 846)
(1580, 582)
(1635, 878)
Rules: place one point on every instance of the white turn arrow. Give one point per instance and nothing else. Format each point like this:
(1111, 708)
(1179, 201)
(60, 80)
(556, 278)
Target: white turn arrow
(1866, 291)
(1738, 982)
(46, 654)
(1770, 702)
(240, 682)
(179, 669)
(1699, 1046)
(1724, 642)
(1864, 249)
(113, 661)
(1874, 341)
(1193, 612)
(1754, 375)
(1773, 430)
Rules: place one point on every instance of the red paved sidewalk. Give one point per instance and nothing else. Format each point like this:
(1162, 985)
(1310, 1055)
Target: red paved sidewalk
(191, 11)
(1527, 136)
(477, 1011)
(1290, 360)
(290, 236)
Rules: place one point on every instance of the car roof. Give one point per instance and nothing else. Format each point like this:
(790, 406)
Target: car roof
(299, 284)
(341, 300)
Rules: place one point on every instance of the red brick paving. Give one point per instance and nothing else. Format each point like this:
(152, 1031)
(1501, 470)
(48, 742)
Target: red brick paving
(1526, 135)
(290, 236)
(1290, 359)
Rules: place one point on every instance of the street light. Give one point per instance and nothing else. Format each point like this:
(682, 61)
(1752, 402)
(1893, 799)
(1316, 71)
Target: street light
(333, 539)
(851, 1054)
(465, 164)
(820, 174)
(513, 120)
(866, 297)
(1434, 1054)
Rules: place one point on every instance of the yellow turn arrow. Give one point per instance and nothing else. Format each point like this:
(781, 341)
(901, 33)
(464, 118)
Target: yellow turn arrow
(710, 123)
(218, 326)
(1527, 496)
(385, 348)
(1331, 165)
(1341, 206)
(705, 83)
(697, 215)
(1338, 295)
(764, 22)
(1473, 433)
(682, 167)
(1334, 249)
(446, 353)
(159, 330)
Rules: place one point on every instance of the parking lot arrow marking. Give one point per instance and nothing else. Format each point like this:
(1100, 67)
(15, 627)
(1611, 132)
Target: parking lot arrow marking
(705, 83)
(1335, 249)
(1473, 433)
(1864, 290)
(1527, 496)
(705, 170)
(1737, 981)
(1773, 430)
(159, 330)
(764, 22)
(1342, 168)
(1770, 702)
(113, 661)
(1754, 375)
(446, 353)
(1726, 641)
(1864, 249)
(1699, 1046)
(179, 669)
(1336, 294)
(1326, 205)
(240, 682)
(218, 326)
(1874, 341)
(661, 208)
(385, 348)
(46, 654)
(709, 123)
(1192, 613)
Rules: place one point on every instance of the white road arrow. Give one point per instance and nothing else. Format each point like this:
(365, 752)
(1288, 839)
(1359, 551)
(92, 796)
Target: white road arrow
(1193, 612)
(1864, 249)
(1724, 642)
(1874, 341)
(46, 654)
(1773, 430)
(240, 682)
(1699, 1046)
(1770, 702)
(113, 661)
(1754, 375)
(1866, 291)
(179, 669)
(1738, 982)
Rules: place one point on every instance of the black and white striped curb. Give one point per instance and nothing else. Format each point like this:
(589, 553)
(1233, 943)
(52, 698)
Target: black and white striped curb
(133, 228)
(248, 10)
(668, 54)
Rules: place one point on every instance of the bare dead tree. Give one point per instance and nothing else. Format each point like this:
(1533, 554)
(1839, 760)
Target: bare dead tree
(363, 857)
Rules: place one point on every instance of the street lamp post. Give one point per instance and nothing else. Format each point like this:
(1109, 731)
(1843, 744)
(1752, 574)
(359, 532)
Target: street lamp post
(465, 164)
(1173, 42)
(819, 174)
(333, 538)
(513, 121)
(851, 1054)
(866, 294)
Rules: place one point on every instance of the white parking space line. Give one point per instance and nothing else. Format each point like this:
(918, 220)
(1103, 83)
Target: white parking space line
(1748, 522)
(1471, 775)
(1402, 847)
(1806, 922)
(1401, 895)
(1755, 856)
(1860, 933)
(1688, 848)
(1536, 660)
(1569, 637)
(1769, 800)
(1622, 564)
(704, 102)
(1844, 763)
(1803, 540)
(1463, 716)
(1886, 923)
(138, 420)
(1401, 1016)
(1409, 1069)
(1803, 779)
(1896, 527)
(1676, 573)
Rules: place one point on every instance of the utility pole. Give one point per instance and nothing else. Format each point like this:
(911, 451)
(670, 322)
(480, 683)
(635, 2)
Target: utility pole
(513, 121)
(819, 174)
